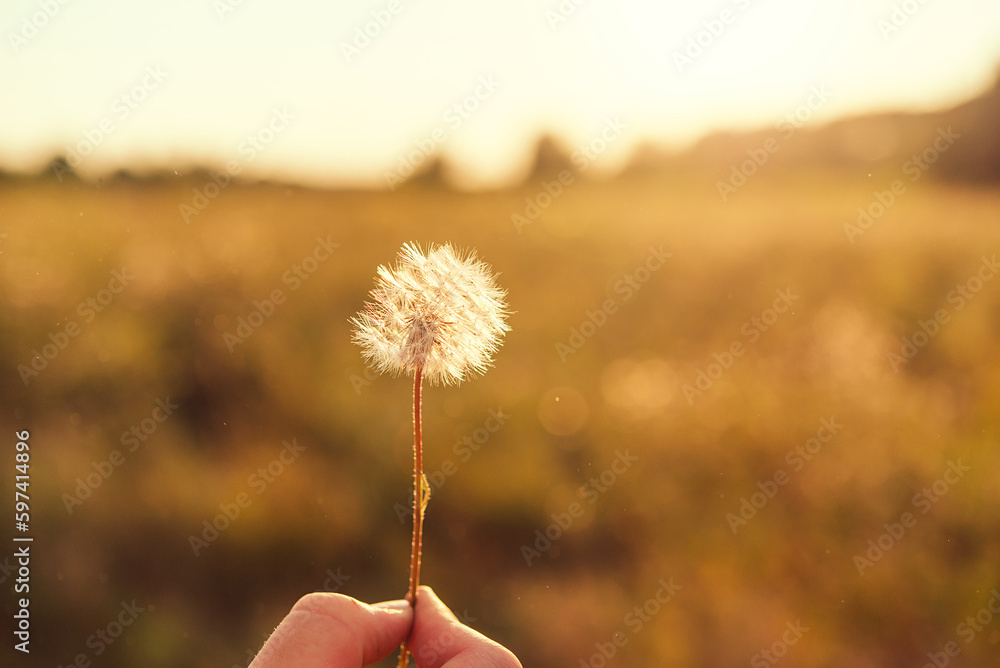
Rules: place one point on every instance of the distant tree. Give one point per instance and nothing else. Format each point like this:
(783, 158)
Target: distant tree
(551, 158)
(975, 156)
(61, 169)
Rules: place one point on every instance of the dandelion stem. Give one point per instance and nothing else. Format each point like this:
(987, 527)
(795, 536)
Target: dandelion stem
(419, 503)
(418, 490)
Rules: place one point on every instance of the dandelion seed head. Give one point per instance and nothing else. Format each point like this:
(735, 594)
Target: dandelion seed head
(438, 311)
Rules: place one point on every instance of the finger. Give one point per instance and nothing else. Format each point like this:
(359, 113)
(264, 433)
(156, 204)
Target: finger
(439, 640)
(336, 631)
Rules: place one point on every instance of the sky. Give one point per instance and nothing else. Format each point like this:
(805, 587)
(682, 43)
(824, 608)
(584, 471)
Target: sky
(358, 93)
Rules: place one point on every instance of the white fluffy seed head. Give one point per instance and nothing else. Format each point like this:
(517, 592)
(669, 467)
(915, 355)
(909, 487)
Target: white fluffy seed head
(438, 311)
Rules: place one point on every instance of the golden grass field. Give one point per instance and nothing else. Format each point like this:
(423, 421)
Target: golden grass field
(913, 454)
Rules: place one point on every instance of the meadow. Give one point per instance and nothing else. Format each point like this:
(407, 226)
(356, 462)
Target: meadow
(720, 433)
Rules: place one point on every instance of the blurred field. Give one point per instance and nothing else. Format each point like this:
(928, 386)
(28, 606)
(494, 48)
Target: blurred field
(329, 519)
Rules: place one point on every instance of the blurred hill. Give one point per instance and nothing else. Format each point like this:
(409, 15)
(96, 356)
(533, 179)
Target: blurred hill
(856, 142)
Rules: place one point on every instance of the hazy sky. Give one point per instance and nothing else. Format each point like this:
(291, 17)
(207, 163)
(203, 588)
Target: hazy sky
(172, 84)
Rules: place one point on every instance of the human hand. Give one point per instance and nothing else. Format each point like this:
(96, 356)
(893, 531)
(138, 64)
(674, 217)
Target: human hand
(337, 631)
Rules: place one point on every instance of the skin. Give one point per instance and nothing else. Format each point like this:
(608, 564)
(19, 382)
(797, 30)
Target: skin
(336, 631)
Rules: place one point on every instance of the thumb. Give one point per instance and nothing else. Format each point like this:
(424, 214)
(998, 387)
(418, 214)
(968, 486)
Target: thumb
(439, 640)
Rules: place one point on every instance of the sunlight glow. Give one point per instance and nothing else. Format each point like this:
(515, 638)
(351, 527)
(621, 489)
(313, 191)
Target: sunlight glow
(673, 72)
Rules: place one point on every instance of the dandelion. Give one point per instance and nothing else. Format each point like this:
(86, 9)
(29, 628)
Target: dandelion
(437, 315)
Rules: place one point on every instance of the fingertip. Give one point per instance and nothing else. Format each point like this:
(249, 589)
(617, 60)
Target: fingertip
(428, 598)
(426, 589)
(440, 639)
